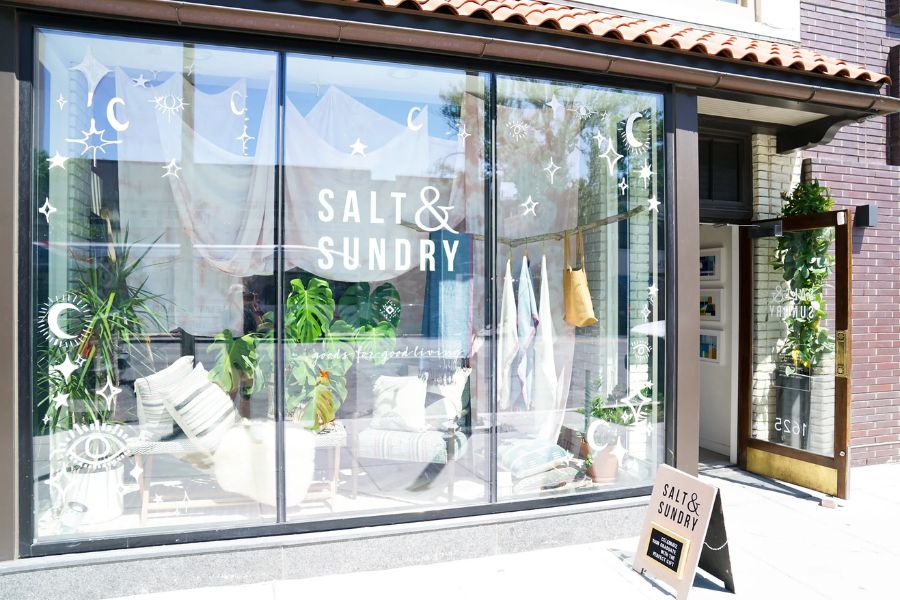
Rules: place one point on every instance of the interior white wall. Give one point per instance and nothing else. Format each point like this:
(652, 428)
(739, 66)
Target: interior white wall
(719, 382)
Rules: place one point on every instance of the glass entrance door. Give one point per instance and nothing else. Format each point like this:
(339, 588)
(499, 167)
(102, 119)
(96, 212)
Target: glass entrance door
(795, 350)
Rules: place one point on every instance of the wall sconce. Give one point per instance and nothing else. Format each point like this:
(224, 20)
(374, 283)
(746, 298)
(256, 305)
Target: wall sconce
(866, 216)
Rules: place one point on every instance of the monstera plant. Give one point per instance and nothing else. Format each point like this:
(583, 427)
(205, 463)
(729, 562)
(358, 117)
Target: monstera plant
(332, 336)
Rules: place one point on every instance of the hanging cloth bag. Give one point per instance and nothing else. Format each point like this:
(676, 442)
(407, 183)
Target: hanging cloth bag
(577, 295)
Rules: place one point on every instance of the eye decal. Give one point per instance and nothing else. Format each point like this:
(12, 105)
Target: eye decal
(95, 447)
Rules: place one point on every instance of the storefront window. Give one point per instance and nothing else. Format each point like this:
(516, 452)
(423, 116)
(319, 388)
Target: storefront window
(153, 235)
(375, 251)
(579, 282)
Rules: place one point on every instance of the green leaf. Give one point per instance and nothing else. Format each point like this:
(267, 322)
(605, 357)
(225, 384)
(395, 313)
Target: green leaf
(308, 310)
(359, 308)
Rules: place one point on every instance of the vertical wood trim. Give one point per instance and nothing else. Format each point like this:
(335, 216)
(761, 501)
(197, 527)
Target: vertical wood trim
(745, 342)
(843, 321)
(9, 364)
(686, 215)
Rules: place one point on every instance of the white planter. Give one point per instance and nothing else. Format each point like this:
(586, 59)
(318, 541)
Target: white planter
(100, 493)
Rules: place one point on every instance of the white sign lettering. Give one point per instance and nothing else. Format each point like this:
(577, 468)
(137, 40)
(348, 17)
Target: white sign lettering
(372, 253)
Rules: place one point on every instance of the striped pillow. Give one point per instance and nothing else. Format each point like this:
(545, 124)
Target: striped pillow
(202, 409)
(151, 392)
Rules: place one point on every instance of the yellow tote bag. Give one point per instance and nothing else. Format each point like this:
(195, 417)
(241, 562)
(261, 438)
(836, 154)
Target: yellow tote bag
(577, 295)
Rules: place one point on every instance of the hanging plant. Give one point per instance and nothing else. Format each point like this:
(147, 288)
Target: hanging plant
(804, 260)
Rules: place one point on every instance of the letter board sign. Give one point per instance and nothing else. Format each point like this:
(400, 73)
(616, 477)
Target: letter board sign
(683, 514)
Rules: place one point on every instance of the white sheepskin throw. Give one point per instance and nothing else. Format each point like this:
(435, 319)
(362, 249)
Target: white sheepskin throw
(244, 462)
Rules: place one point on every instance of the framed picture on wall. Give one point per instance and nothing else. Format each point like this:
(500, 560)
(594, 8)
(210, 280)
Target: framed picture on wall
(711, 264)
(712, 305)
(711, 346)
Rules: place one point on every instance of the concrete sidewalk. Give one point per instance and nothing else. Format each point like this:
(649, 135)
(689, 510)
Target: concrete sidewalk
(783, 545)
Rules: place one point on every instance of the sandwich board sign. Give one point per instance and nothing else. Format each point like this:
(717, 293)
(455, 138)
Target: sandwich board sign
(684, 528)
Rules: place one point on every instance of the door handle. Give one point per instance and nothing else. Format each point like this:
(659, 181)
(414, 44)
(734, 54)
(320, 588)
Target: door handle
(840, 351)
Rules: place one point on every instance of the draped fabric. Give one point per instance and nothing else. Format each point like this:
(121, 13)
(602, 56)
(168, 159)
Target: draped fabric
(507, 341)
(545, 384)
(527, 323)
(218, 222)
(448, 315)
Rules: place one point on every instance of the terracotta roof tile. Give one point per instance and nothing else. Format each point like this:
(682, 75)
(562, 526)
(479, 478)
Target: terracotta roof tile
(639, 31)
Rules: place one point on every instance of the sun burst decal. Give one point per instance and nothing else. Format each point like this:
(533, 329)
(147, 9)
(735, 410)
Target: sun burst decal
(636, 134)
(169, 105)
(64, 321)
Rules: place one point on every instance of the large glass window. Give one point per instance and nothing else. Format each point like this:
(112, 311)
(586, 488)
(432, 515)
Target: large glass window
(274, 287)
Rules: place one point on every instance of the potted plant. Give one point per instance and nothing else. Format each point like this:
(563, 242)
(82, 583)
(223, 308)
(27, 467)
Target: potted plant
(805, 264)
(331, 337)
(82, 378)
(609, 419)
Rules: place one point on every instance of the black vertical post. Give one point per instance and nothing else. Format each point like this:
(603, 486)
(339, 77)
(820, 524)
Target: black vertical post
(490, 269)
(281, 501)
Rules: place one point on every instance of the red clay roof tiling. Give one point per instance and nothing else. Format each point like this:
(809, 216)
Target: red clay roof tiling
(638, 31)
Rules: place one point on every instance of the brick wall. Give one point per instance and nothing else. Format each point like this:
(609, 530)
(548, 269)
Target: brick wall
(855, 167)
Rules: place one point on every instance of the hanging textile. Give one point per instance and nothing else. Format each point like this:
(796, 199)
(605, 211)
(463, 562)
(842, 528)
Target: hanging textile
(448, 316)
(527, 323)
(507, 341)
(545, 383)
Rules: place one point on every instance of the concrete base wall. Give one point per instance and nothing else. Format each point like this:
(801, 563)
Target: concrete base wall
(97, 575)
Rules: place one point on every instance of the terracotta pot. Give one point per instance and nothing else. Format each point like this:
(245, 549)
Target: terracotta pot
(605, 464)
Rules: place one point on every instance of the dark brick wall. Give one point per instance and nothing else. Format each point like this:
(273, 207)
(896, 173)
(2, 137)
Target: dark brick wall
(855, 167)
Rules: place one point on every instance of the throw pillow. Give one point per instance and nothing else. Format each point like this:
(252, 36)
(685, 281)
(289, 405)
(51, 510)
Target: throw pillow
(400, 403)
(524, 458)
(202, 409)
(151, 391)
(443, 401)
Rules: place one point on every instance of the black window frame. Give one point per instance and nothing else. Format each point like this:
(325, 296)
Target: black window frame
(711, 209)
(28, 24)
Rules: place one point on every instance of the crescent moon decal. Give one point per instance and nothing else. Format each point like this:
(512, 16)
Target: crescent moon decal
(412, 115)
(53, 315)
(234, 109)
(111, 115)
(629, 131)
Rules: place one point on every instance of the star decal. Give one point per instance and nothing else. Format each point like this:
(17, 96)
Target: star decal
(136, 472)
(157, 499)
(66, 368)
(653, 205)
(46, 419)
(652, 291)
(139, 81)
(57, 160)
(462, 134)
(109, 392)
(646, 312)
(599, 138)
(61, 101)
(529, 206)
(358, 148)
(61, 400)
(611, 156)
(172, 169)
(622, 185)
(554, 104)
(47, 209)
(93, 71)
(551, 169)
(91, 145)
(645, 174)
(243, 139)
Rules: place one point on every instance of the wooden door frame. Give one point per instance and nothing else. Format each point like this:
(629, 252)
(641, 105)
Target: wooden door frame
(841, 221)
